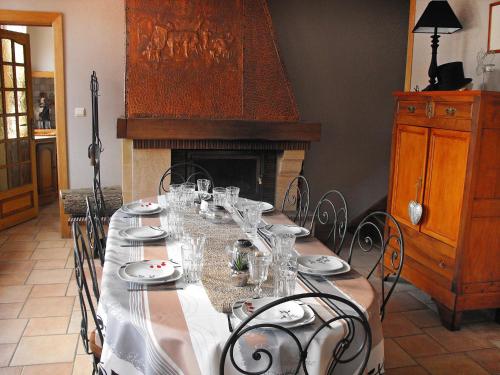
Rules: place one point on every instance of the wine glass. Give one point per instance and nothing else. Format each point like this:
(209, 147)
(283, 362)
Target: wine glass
(232, 193)
(258, 264)
(203, 186)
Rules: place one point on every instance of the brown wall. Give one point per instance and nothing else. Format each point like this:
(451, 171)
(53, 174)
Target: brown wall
(344, 59)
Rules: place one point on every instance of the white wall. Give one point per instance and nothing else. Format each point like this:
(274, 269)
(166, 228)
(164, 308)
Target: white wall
(94, 39)
(42, 48)
(463, 45)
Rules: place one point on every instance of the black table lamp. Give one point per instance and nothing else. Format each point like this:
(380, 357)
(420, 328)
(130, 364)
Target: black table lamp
(437, 18)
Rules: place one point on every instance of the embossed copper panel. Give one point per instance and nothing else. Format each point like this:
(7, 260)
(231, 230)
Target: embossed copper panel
(209, 59)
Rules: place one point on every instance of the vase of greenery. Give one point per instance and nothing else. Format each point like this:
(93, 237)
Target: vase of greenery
(239, 270)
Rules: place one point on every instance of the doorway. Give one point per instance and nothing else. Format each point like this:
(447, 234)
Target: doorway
(53, 155)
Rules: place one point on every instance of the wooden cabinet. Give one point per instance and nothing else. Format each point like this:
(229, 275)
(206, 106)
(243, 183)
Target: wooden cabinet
(46, 169)
(446, 155)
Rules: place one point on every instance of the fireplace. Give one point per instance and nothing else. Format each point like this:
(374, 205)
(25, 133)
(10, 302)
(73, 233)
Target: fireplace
(204, 82)
(254, 172)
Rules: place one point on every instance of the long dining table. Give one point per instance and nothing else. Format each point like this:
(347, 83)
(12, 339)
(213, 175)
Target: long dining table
(179, 331)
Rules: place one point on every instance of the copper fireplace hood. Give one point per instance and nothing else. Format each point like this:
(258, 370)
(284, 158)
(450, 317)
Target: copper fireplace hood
(207, 69)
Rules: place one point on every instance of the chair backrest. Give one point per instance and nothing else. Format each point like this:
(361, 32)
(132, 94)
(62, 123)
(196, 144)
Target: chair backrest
(380, 232)
(184, 172)
(296, 200)
(352, 350)
(329, 220)
(95, 232)
(82, 257)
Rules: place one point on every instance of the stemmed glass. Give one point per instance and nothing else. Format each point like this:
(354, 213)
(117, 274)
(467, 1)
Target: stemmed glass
(232, 193)
(203, 186)
(258, 264)
(192, 248)
(252, 214)
(188, 190)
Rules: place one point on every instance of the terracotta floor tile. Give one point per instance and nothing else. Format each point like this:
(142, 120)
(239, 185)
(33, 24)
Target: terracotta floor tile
(458, 341)
(51, 244)
(52, 369)
(50, 254)
(451, 364)
(16, 266)
(395, 325)
(11, 330)
(51, 264)
(11, 370)
(10, 310)
(45, 349)
(412, 370)
(17, 293)
(420, 345)
(395, 356)
(70, 263)
(15, 246)
(83, 365)
(47, 306)
(47, 326)
(49, 276)
(48, 290)
(15, 255)
(402, 301)
(487, 330)
(22, 237)
(48, 236)
(6, 351)
(14, 278)
(488, 358)
(72, 288)
(423, 318)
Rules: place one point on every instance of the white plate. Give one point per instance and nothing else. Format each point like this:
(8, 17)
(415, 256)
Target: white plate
(308, 317)
(144, 233)
(288, 312)
(175, 276)
(266, 207)
(345, 268)
(155, 269)
(320, 263)
(286, 228)
(142, 208)
(128, 237)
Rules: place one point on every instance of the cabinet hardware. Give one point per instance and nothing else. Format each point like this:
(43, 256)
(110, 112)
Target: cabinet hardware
(429, 110)
(411, 108)
(441, 264)
(450, 111)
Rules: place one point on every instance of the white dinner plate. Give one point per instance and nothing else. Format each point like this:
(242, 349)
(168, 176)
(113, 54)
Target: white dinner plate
(296, 230)
(174, 277)
(288, 312)
(156, 269)
(142, 208)
(320, 263)
(266, 207)
(308, 317)
(308, 271)
(144, 233)
(126, 236)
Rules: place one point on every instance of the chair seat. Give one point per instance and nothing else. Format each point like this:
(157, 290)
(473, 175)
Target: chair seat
(94, 347)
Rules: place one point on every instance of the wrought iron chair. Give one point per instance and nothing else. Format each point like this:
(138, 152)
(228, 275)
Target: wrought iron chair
(95, 232)
(184, 172)
(296, 200)
(369, 235)
(351, 352)
(81, 257)
(329, 220)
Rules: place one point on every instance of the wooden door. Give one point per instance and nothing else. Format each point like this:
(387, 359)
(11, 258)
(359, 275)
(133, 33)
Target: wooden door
(46, 160)
(410, 155)
(18, 198)
(444, 187)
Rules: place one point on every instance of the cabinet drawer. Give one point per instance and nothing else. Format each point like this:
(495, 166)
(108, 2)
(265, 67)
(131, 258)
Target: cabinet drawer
(453, 110)
(412, 108)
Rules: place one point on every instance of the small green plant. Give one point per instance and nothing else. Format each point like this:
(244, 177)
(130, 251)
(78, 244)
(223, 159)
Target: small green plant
(240, 263)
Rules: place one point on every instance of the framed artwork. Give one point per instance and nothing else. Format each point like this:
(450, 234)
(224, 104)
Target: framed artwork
(494, 28)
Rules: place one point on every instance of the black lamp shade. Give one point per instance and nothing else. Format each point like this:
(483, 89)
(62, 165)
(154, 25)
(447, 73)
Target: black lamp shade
(438, 15)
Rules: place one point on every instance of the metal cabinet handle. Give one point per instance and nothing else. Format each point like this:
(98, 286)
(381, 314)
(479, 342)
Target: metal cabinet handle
(411, 108)
(450, 111)
(429, 110)
(441, 264)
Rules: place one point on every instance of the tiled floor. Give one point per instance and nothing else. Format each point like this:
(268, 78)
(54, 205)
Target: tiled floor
(39, 317)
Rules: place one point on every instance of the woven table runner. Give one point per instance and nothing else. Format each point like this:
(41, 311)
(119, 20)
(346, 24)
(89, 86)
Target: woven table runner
(216, 275)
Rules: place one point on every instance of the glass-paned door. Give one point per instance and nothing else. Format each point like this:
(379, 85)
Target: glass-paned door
(18, 201)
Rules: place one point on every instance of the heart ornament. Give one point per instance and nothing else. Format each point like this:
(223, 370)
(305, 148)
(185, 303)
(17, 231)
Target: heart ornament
(415, 211)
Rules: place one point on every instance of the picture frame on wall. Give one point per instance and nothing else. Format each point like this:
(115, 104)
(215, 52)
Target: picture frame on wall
(494, 28)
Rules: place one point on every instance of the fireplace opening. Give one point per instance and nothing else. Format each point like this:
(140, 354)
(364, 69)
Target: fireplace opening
(253, 171)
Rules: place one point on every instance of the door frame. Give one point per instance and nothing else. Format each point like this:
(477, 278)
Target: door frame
(54, 20)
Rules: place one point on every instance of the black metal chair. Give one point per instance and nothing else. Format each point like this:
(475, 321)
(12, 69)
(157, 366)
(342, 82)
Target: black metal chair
(381, 232)
(296, 200)
(329, 220)
(184, 172)
(95, 232)
(82, 257)
(349, 354)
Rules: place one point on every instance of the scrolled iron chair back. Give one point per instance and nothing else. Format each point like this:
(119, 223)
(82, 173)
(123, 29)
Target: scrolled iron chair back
(369, 236)
(296, 200)
(184, 172)
(329, 220)
(95, 232)
(81, 256)
(349, 349)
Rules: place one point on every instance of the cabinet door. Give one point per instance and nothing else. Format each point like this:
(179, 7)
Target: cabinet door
(444, 186)
(410, 155)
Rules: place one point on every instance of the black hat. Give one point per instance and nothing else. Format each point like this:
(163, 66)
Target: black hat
(451, 76)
